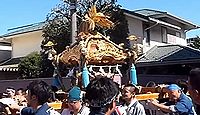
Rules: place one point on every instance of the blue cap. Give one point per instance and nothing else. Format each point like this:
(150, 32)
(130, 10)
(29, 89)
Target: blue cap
(74, 94)
(173, 87)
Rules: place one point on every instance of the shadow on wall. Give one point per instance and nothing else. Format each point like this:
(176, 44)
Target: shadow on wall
(6, 55)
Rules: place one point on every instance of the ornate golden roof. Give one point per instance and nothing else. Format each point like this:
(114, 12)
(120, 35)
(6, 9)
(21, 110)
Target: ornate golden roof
(95, 49)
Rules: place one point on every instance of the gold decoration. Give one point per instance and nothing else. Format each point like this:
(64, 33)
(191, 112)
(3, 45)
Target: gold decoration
(71, 56)
(132, 38)
(103, 52)
(93, 18)
(49, 43)
(97, 49)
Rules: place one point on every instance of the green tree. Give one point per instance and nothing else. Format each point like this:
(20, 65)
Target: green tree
(57, 28)
(30, 66)
(196, 43)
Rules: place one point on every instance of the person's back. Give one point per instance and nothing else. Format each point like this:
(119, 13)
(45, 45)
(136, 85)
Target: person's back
(185, 106)
(46, 110)
(27, 111)
(194, 87)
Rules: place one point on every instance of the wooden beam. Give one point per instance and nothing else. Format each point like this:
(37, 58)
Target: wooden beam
(142, 97)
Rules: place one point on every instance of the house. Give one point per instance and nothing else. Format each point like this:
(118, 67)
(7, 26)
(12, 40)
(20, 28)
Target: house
(23, 40)
(162, 37)
(167, 63)
(152, 27)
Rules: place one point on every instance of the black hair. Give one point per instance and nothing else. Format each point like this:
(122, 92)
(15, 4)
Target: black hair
(183, 85)
(195, 78)
(133, 88)
(41, 90)
(20, 89)
(10, 87)
(100, 93)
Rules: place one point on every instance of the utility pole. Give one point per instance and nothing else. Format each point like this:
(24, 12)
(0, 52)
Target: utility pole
(73, 20)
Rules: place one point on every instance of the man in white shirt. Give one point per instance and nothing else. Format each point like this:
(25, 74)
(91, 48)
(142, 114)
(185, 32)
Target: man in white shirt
(74, 101)
(133, 107)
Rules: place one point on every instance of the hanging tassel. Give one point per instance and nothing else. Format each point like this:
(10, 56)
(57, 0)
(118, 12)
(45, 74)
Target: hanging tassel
(85, 77)
(133, 75)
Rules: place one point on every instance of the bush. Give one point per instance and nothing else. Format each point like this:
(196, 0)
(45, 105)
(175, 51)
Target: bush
(30, 66)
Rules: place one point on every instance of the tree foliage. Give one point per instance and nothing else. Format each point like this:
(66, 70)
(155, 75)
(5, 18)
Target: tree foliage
(30, 66)
(196, 43)
(57, 28)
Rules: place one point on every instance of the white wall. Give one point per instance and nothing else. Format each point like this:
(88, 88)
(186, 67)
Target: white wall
(26, 43)
(176, 40)
(135, 28)
(9, 48)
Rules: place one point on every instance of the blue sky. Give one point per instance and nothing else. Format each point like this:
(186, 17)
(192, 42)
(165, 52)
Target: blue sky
(14, 13)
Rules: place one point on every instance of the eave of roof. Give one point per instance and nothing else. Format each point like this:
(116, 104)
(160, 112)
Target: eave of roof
(160, 14)
(23, 29)
(135, 14)
(183, 21)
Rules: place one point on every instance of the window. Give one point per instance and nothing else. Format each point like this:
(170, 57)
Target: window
(164, 34)
(178, 34)
(174, 32)
(146, 33)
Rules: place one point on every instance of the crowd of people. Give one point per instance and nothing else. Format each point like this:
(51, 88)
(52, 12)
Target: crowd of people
(102, 96)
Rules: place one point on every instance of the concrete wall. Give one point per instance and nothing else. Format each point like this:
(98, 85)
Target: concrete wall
(7, 75)
(24, 83)
(26, 43)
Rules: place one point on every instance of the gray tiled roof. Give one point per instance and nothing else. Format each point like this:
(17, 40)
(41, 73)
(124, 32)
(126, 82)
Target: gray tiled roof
(25, 29)
(169, 53)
